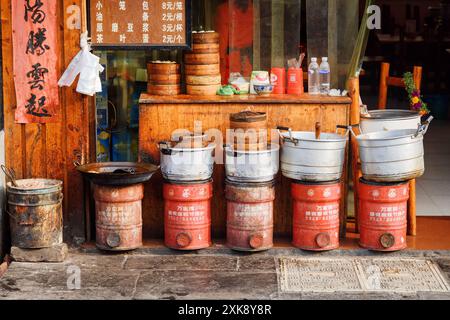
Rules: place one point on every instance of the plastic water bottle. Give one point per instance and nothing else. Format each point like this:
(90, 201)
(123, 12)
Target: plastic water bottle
(325, 76)
(313, 77)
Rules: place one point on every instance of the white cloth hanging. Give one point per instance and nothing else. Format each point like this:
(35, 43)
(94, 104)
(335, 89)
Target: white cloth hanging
(88, 66)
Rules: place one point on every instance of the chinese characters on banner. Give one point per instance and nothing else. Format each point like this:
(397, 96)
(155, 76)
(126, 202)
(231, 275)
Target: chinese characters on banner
(35, 60)
(138, 23)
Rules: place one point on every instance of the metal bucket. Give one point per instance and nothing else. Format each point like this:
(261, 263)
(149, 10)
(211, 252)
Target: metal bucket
(383, 215)
(118, 213)
(386, 120)
(252, 166)
(392, 156)
(186, 164)
(305, 158)
(35, 209)
(250, 215)
(187, 215)
(316, 215)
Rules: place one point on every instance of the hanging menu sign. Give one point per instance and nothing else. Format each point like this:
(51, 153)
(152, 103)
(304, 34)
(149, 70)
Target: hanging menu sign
(139, 23)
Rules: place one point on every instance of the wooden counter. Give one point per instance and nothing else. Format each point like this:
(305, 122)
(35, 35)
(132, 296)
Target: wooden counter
(161, 116)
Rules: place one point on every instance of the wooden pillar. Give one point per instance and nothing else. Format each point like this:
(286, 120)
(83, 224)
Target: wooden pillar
(384, 75)
(353, 86)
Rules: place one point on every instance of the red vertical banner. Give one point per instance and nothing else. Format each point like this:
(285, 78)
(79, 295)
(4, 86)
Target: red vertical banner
(35, 49)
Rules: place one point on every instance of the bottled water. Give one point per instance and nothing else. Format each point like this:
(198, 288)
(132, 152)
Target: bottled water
(313, 77)
(325, 78)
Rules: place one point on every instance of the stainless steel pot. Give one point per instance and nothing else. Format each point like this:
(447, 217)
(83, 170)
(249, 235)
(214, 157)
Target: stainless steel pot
(305, 158)
(385, 120)
(186, 164)
(252, 166)
(392, 156)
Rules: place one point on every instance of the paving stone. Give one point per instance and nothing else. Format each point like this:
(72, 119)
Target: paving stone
(53, 281)
(182, 262)
(206, 285)
(257, 264)
(57, 253)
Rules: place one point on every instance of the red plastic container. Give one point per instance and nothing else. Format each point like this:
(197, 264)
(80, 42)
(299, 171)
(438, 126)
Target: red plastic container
(295, 81)
(187, 215)
(278, 79)
(316, 215)
(383, 215)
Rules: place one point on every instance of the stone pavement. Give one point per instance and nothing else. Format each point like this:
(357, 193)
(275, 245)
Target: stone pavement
(160, 273)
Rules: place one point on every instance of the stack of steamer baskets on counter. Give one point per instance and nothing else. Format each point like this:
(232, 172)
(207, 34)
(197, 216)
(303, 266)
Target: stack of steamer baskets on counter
(164, 78)
(202, 64)
(251, 165)
(392, 155)
(315, 163)
(187, 166)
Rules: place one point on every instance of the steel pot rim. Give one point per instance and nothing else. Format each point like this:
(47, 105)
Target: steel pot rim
(408, 115)
(271, 149)
(300, 136)
(167, 146)
(389, 135)
(50, 184)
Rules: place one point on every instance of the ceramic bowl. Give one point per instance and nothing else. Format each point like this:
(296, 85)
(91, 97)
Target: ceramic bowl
(263, 89)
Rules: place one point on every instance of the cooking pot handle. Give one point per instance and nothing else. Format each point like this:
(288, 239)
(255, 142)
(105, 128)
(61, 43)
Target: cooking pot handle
(423, 128)
(343, 127)
(163, 146)
(351, 129)
(230, 153)
(291, 138)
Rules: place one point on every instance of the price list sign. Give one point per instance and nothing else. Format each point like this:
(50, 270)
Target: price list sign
(139, 23)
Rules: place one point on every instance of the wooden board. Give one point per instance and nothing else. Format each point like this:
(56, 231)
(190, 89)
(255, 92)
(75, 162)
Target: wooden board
(214, 112)
(48, 150)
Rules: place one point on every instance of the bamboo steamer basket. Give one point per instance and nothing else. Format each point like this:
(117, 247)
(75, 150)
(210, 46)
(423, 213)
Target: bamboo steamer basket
(250, 146)
(202, 70)
(246, 122)
(164, 90)
(203, 80)
(205, 37)
(205, 48)
(202, 58)
(205, 90)
(163, 79)
(159, 68)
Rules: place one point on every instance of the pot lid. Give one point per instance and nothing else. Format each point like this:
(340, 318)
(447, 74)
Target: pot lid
(248, 116)
(390, 115)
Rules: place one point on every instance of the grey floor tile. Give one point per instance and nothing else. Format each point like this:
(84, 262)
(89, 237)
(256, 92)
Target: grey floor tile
(182, 263)
(210, 285)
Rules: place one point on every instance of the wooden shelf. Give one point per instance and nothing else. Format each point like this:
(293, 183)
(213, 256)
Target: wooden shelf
(147, 99)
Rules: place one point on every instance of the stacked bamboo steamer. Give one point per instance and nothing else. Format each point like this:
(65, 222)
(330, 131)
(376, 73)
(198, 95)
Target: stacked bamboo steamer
(164, 78)
(249, 131)
(202, 64)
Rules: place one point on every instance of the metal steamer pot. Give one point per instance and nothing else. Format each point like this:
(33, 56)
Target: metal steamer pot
(392, 156)
(385, 120)
(186, 164)
(252, 166)
(306, 158)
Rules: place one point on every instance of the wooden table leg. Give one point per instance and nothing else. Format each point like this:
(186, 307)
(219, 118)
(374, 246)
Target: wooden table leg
(412, 225)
